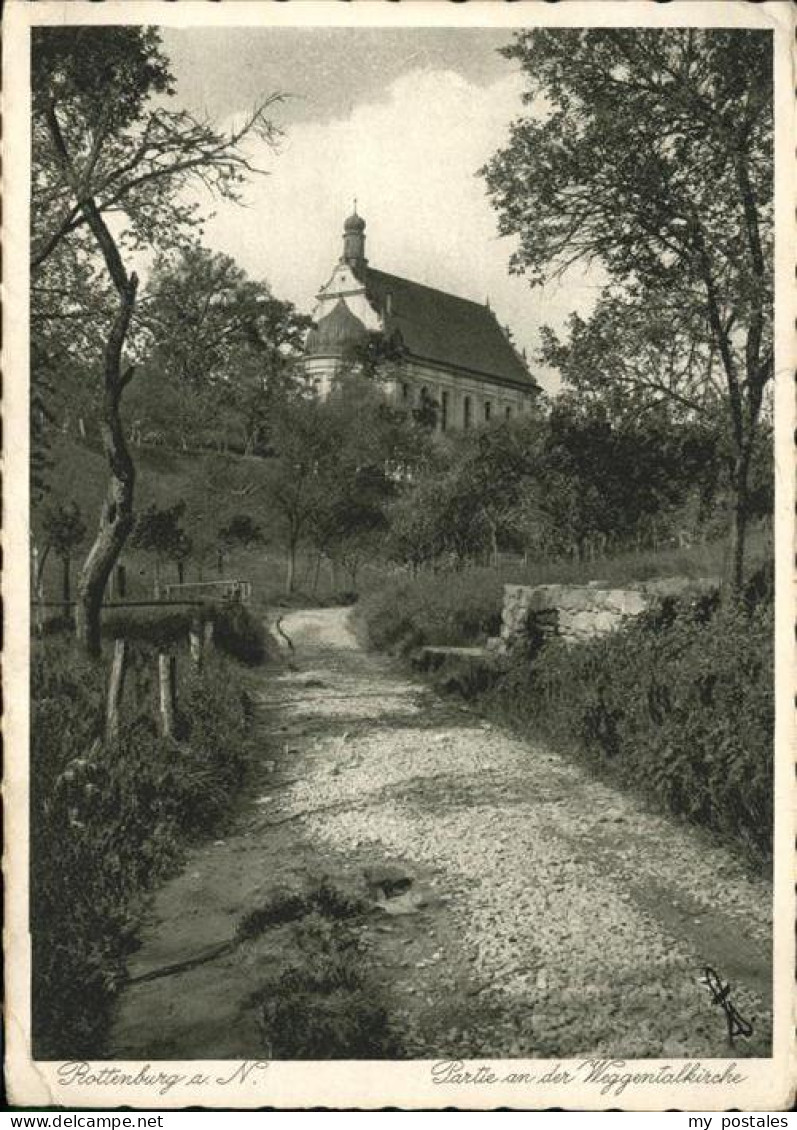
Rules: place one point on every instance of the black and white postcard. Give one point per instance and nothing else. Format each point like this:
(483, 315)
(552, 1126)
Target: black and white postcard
(399, 555)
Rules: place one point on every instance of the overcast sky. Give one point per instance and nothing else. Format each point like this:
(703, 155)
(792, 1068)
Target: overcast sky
(401, 119)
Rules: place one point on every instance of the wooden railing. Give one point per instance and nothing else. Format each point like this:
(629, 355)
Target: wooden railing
(236, 590)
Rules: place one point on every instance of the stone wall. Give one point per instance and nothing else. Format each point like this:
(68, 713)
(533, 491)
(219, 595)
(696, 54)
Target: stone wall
(581, 612)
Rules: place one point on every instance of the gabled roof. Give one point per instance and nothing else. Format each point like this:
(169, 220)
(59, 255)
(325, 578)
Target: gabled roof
(444, 328)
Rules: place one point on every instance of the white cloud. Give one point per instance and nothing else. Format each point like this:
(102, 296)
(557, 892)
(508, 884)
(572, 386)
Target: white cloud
(411, 160)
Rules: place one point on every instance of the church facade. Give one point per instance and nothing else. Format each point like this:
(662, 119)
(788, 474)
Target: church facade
(451, 350)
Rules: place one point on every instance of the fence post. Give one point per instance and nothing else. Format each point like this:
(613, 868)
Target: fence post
(195, 643)
(115, 689)
(167, 684)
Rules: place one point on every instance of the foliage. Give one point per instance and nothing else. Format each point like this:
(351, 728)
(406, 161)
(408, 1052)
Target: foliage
(570, 482)
(154, 626)
(457, 608)
(240, 530)
(337, 464)
(64, 530)
(323, 1002)
(222, 345)
(236, 632)
(225, 495)
(650, 151)
(679, 708)
(108, 822)
(239, 634)
(157, 530)
(102, 145)
(64, 527)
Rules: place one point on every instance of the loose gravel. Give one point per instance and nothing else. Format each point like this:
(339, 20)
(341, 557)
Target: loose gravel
(582, 922)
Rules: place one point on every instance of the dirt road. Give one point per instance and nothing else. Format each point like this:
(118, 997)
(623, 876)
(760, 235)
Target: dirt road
(548, 914)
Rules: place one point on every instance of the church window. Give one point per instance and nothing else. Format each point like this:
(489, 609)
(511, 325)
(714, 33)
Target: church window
(508, 413)
(466, 412)
(443, 411)
(488, 408)
(405, 391)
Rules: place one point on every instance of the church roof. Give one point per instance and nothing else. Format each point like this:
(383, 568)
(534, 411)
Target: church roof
(445, 328)
(337, 332)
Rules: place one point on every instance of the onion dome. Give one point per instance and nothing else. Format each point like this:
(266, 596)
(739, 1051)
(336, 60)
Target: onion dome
(337, 332)
(354, 223)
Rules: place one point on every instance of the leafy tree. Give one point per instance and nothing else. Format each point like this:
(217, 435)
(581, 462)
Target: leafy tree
(157, 531)
(241, 531)
(463, 504)
(302, 445)
(103, 145)
(650, 151)
(180, 551)
(223, 342)
(64, 531)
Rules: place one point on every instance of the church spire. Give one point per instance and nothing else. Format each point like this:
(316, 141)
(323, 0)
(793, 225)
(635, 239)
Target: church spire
(354, 242)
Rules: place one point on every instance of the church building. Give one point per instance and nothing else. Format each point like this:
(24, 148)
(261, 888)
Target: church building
(451, 349)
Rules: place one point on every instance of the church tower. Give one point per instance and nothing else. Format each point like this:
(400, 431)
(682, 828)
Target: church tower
(354, 244)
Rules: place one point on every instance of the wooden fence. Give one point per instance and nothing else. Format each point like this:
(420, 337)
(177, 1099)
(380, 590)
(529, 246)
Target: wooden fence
(229, 590)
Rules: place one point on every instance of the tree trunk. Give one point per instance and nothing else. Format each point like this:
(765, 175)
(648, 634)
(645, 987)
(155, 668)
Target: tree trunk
(195, 643)
(291, 574)
(167, 671)
(181, 572)
(39, 561)
(66, 561)
(116, 518)
(316, 573)
(115, 690)
(738, 522)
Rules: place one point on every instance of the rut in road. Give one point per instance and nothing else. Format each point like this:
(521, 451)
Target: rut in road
(558, 916)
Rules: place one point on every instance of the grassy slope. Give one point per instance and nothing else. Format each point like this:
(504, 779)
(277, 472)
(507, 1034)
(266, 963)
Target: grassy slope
(79, 473)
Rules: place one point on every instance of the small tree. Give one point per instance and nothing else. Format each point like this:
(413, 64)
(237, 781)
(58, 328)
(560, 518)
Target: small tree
(180, 553)
(64, 531)
(240, 532)
(157, 531)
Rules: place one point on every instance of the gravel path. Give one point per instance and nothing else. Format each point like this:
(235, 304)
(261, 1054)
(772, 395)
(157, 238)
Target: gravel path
(584, 920)
(553, 915)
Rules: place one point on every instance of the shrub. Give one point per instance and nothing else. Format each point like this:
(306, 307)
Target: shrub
(107, 822)
(158, 626)
(239, 634)
(678, 705)
(455, 608)
(324, 1003)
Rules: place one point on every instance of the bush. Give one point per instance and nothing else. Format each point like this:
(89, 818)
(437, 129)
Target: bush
(454, 608)
(107, 822)
(236, 631)
(324, 1003)
(679, 706)
(160, 627)
(239, 634)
